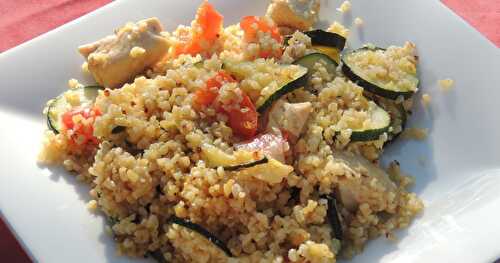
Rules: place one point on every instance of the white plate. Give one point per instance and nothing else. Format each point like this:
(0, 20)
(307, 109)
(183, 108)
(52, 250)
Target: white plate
(457, 167)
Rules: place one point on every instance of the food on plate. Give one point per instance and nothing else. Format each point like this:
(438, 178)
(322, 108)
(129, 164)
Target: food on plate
(295, 14)
(446, 84)
(118, 58)
(344, 7)
(224, 143)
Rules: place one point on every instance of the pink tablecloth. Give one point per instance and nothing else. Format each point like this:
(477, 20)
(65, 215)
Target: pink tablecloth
(22, 20)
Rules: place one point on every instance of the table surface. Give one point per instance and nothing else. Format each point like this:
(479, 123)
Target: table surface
(38, 17)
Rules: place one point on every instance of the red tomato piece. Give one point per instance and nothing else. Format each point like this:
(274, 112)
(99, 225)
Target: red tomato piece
(205, 96)
(252, 24)
(243, 121)
(210, 22)
(85, 130)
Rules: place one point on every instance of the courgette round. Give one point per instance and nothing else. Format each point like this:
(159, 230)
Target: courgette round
(328, 43)
(324, 38)
(299, 80)
(331, 52)
(308, 61)
(373, 85)
(60, 105)
(380, 123)
(398, 116)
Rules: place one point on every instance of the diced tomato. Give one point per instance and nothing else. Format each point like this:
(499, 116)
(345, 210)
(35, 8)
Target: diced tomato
(205, 96)
(81, 130)
(210, 21)
(252, 24)
(210, 24)
(243, 121)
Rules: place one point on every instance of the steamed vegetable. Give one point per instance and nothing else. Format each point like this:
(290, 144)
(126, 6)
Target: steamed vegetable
(242, 119)
(209, 24)
(60, 105)
(373, 84)
(334, 217)
(299, 80)
(328, 43)
(379, 123)
(309, 61)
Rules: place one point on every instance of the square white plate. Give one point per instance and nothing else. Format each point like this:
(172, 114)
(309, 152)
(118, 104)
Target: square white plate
(457, 166)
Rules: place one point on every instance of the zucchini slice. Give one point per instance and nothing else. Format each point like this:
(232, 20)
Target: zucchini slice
(328, 43)
(202, 231)
(324, 38)
(331, 52)
(334, 217)
(246, 165)
(286, 79)
(60, 105)
(380, 122)
(398, 116)
(376, 86)
(308, 61)
(298, 80)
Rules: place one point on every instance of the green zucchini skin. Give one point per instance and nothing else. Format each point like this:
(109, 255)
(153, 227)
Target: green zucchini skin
(372, 134)
(324, 38)
(52, 114)
(367, 85)
(287, 88)
(202, 231)
(368, 135)
(334, 217)
(246, 165)
(308, 61)
(397, 113)
(50, 121)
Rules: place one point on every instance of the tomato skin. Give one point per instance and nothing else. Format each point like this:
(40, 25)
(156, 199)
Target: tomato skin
(205, 96)
(210, 24)
(244, 121)
(252, 24)
(79, 130)
(210, 21)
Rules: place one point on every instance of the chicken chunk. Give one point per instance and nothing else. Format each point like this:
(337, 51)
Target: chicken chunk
(352, 190)
(118, 58)
(295, 14)
(290, 117)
